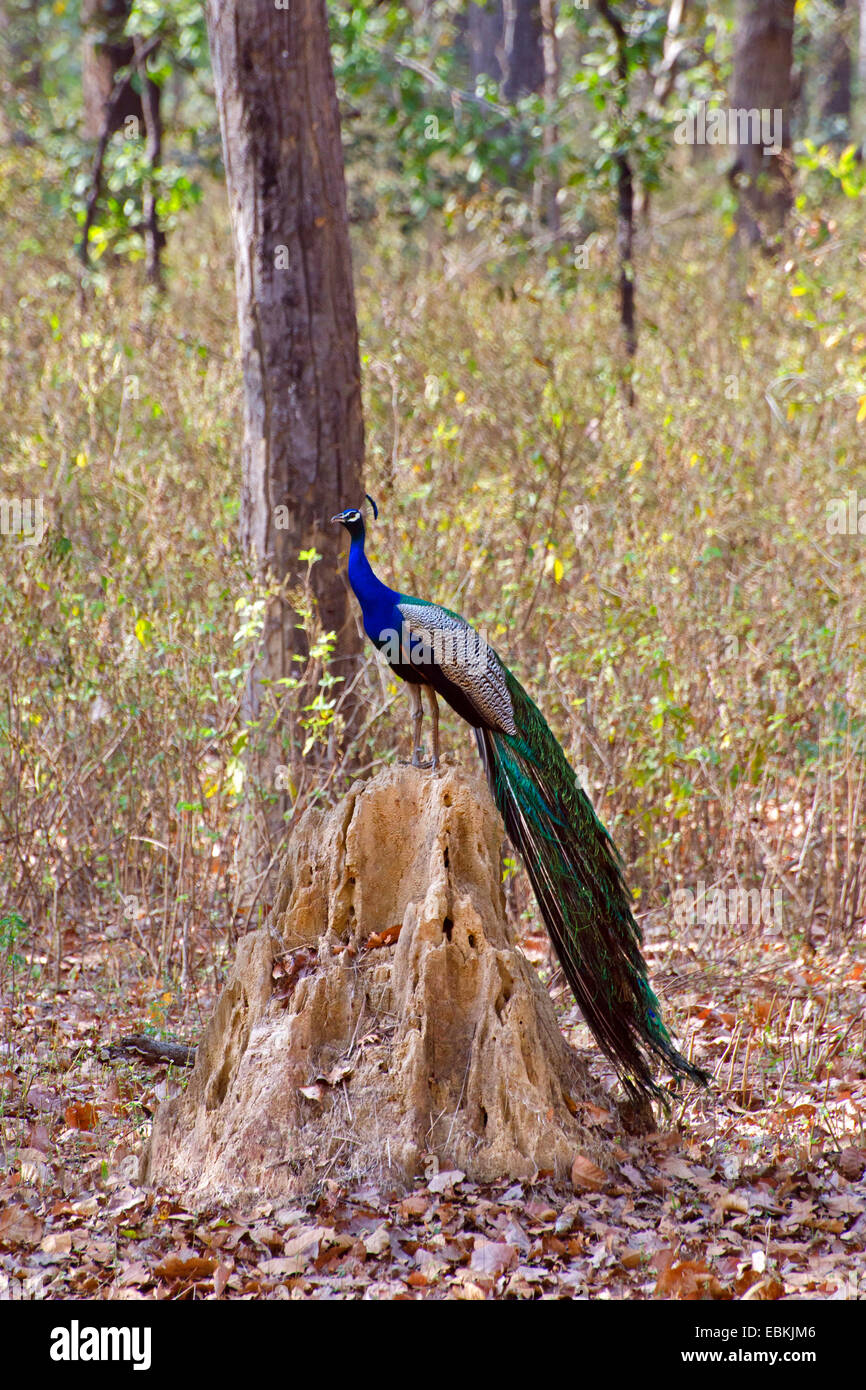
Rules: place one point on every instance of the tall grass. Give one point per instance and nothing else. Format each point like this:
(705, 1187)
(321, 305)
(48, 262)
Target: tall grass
(662, 578)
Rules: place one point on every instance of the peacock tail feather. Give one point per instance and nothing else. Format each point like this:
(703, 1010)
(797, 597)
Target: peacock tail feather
(577, 878)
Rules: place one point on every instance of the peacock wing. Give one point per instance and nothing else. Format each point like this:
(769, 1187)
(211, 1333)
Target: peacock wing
(440, 638)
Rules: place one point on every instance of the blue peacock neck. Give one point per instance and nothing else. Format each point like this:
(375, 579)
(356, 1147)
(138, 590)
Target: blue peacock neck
(376, 599)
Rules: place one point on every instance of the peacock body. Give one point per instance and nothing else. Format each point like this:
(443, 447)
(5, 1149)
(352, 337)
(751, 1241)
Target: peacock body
(573, 866)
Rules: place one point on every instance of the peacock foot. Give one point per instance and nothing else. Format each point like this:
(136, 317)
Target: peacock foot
(425, 764)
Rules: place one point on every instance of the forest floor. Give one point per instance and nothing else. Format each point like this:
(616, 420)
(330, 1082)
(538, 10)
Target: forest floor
(756, 1190)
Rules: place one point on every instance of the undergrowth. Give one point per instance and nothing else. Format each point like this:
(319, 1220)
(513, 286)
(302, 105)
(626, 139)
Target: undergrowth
(672, 582)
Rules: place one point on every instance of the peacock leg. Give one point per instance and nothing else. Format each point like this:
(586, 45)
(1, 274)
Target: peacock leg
(417, 718)
(434, 715)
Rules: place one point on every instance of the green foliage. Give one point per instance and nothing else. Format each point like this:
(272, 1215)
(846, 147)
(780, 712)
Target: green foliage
(432, 142)
(831, 171)
(183, 27)
(441, 144)
(50, 113)
(13, 931)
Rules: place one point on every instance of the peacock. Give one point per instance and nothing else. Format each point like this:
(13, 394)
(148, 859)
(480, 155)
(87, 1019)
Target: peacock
(573, 866)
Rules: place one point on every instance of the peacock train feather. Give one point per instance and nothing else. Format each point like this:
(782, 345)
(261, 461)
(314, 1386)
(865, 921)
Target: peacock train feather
(577, 879)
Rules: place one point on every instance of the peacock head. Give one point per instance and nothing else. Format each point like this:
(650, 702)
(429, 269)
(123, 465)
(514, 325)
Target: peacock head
(352, 519)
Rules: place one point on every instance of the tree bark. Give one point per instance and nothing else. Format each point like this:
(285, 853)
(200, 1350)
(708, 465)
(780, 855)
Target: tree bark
(522, 59)
(107, 49)
(550, 53)
(624, 200)
(763, 54)
(505, 44)
(483, 31)
(835, 74)
(303, 439)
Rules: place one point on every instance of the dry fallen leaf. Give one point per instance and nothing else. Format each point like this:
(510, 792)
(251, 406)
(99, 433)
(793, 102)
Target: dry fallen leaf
(412, 1206)
(492, 1256)
(379, 1243)
(83, 1116)
(101, 1252)
(595, 1115)
(339, 1073)
(291, 967)
(283, 1268)
(686, 1279)
(678, 1168)
(18, 1226)
(852, 1161)
(40, 1139)
(440, 1182)
(58, 1243)
(383, 938)
(586, 1176)
(431, 1264)
(634, 1177)
(314, 1092)
(174, 1268)
(304, 1245)
(33, 1168)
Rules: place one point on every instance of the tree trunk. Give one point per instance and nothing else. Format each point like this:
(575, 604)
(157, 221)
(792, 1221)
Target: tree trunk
(484, 28)
(624, 198)
(505, 44)
(303, 438)
(107, 49)
(550, 53)
(761, 82)
(153, 237)
(835, 75)
(522, 59)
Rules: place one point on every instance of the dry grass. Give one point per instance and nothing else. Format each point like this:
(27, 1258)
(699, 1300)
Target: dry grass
(662, 579)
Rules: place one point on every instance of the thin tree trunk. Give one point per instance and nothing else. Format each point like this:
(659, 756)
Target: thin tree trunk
(153, 238)
(624, 200)
(550, 53)
(625, 250)
(761, 82)
(117, 101)
(303, 439)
